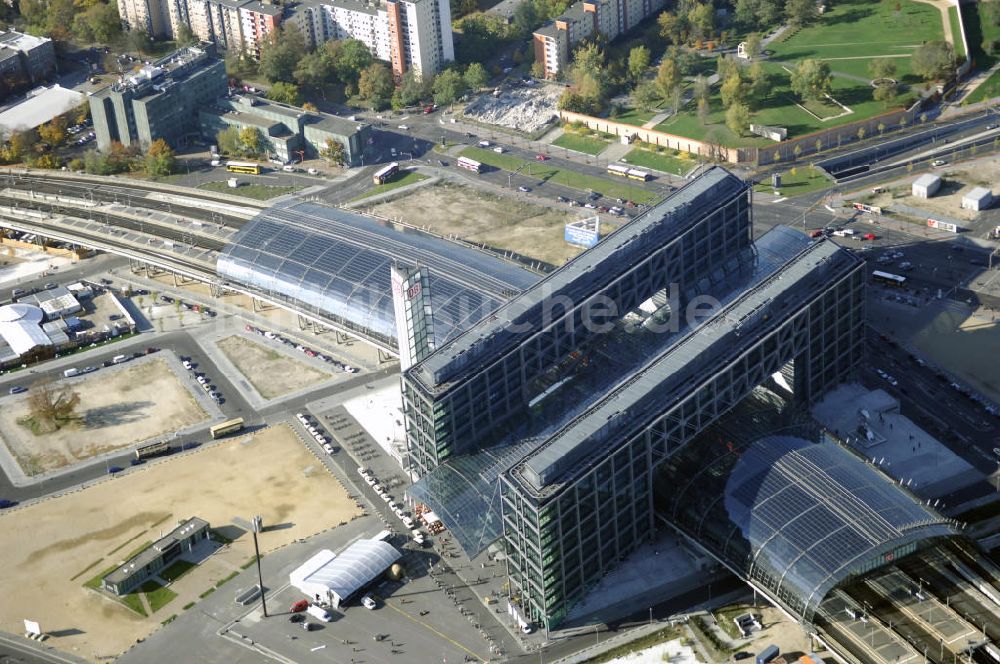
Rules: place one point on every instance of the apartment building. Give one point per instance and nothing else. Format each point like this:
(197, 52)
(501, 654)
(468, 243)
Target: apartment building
(409, 34)
(24, 59)
(555, 41)
(231, 24)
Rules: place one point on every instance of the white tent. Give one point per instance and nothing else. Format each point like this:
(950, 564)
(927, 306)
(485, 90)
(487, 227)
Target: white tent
(334, 579)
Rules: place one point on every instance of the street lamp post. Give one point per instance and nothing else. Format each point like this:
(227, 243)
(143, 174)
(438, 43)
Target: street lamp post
(257, 527)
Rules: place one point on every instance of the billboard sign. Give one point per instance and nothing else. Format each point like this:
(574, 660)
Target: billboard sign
(942, 225)
(871, 209)
(583, 233)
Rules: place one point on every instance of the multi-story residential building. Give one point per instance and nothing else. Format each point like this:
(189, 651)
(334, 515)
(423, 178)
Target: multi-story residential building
(161, 100)
(24, 59)
(409, 34)
(231, 24)
(555, 41)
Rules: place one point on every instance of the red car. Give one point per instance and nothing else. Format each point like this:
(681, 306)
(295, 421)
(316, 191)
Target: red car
(541, 157)
(299, 606)
(816, 233)
(870, 236)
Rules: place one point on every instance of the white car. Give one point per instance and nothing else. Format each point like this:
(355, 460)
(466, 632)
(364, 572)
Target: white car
(202, 380)
(370, 481)
(320, 439)
(187, 365)
(328, 448)
(386, 498)
(368, 602)
(403, 127)
(312, 171)
(938, 162)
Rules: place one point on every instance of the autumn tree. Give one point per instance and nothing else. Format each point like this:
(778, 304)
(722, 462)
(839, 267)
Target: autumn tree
(737, 118)
(933, 60)
(250, 140)
(668, 77)
(333, 151)
(448, 86)
(285, 93)
(280, 53)
(801, 12)
(160, 159)
(733, 90)
(811, 79)
(53, 132)
(882, 68)
(50, 407)
(476, 76)
(376, 85)
(638, 62)
(753, 45)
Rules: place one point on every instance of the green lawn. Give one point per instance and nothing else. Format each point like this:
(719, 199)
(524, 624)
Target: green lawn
(585, 144)
(987, 90)
(403, 178)
(956, 32)
(778, 109)
(157, 595)
(861, 30)
(133, 602)
(176, 571)
(665, 162)
(803, 181)
(260, 192)
(634, 116)
(548, 173)
(95, 582)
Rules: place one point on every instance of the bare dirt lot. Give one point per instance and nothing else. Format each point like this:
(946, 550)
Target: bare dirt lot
(271, 372)
(119, 407)
(51, 548)
(956, 181)
(476, 216)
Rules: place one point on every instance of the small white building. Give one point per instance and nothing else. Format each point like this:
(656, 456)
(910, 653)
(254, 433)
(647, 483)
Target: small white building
(977, 199)
(926, 185)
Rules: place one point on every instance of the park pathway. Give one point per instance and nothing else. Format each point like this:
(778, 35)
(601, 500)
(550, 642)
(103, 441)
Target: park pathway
(943, 6)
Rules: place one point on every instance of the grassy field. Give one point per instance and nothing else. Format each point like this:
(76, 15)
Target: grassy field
(177, 570)
(779, 109)
(572, 179)
(634, 116)
(585, 144)
(260, 192)
(157, 596)
(402, 179)
(956, 33)
(852, 32)
(803, 181)
(665, 162)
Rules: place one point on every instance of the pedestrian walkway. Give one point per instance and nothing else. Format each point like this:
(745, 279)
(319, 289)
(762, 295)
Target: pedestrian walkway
(942, 6)
(657, 119)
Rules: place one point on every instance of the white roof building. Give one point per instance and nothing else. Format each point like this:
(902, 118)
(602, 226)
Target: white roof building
(336, 578)
(40, 107)
(977, 199)
(21, 328)
(926, 185)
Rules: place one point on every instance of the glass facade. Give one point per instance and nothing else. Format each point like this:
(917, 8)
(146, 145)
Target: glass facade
(337, 264)
(795, 516)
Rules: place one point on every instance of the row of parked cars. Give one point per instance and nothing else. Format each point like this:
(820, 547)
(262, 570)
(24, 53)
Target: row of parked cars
(190, 306)
(267, 334)
(203, 380)
(396, 508)
(316, 431)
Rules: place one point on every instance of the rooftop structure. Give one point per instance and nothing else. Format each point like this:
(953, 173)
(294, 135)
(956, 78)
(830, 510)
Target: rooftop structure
(337, 263)
(160, 100)
(337, 578)
(39, 107)
(21, 328)
(797, 513)
(24, 60)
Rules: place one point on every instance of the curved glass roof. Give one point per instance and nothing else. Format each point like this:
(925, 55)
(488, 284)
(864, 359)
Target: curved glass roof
(346, 574)
(794, 516)
(336, 264)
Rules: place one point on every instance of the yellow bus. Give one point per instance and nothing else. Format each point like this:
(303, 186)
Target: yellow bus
(243, 167)
(227, 427)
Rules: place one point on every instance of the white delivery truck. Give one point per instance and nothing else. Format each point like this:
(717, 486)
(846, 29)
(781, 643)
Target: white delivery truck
(118, 359)
(69, 373)
(319, 613)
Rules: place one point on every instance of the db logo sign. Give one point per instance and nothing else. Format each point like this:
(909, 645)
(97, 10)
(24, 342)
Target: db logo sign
(413, 291)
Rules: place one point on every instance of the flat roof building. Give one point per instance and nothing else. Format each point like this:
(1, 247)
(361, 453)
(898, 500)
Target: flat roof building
(926, 185)
(288, 131)
(24, 60)
(41, 105)
(157, 557)
(560, 462)
(161, 100)
(409, 34)
(978, 198)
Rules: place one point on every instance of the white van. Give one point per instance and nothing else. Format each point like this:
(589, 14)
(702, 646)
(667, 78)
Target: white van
(289, 169)
(484, 144)
(118, 359)
(69, 373)
(319, 613)
(498, 149)
(368, 602)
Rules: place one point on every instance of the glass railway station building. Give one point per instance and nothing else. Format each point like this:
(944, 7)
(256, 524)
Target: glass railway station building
(566, 417)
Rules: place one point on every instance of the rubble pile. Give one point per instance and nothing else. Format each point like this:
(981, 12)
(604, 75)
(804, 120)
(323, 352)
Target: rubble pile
(523, 108)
